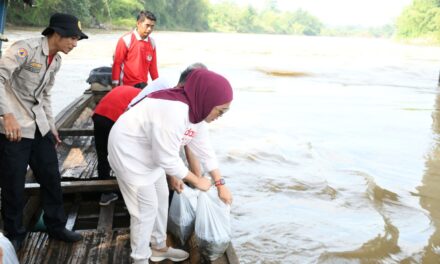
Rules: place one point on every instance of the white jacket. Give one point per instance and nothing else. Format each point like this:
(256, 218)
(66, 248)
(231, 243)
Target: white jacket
(144, 143)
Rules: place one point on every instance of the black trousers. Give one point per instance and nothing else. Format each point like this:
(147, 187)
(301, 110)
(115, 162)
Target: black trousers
(40, 154)
(102, 126)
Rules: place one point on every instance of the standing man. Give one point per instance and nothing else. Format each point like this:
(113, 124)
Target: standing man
(135, 54)
(28, 135)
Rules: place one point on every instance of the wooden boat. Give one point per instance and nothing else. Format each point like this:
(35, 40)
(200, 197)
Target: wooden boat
(105, 228)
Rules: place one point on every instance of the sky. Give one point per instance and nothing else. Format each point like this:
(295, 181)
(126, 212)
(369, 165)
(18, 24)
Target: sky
(342, 12)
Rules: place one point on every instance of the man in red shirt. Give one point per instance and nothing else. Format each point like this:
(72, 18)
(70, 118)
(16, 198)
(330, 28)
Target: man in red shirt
(135, 54)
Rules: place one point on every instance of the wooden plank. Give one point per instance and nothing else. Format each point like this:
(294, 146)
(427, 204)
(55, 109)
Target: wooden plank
(34, 248)
(64, 132)
(78, 186)
(105, 246)
(80, 250)
(105, 221)
(92, 163)
(93, 254)
(67, 116)
(121, 245)
(96, 216)
(73, 212)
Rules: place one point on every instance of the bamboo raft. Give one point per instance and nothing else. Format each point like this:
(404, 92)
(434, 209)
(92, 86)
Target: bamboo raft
(105, 228)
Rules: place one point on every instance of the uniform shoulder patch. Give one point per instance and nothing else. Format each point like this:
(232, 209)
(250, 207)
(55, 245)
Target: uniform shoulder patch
(22, 52)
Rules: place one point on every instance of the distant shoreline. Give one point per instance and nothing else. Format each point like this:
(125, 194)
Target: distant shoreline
(421, 41)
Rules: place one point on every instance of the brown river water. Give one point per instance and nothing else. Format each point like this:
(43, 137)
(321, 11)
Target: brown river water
(331, 147)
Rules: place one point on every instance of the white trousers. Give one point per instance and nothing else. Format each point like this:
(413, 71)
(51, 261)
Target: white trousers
(148, 208)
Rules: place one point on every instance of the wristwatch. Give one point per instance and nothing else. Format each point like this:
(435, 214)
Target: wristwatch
(220, 182)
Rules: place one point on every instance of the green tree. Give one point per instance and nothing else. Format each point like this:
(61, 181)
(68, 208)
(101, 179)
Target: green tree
(124, 12)
(39, 15)
(100, 11)
(311, 25)
(224, 17)
(180, 14)
(420, 19)
(192, 15)
(161, 9)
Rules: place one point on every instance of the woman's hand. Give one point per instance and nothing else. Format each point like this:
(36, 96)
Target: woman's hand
(175, 184)
(224, 194)
(201, 183)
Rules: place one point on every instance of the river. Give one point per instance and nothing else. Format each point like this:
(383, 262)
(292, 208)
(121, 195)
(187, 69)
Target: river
(331, 147)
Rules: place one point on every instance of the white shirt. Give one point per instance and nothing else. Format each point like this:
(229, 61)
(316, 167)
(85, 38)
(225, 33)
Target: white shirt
(144, 143)
(9, 255)
(156, 85)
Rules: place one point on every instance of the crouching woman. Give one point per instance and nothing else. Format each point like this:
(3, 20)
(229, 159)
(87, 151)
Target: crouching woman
(144, 146)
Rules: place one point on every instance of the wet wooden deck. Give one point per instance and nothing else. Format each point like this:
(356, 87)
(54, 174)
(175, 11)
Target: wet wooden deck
(106, 237)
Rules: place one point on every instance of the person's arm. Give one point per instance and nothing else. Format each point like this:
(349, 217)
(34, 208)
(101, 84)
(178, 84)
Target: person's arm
(166, 135)
(223, 192)
(118, 59)
(201, 146)
(193, 162)
(47, 105)
(154, 73)
(175, 183)
(12, 60)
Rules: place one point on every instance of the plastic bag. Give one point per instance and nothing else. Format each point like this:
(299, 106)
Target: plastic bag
(213, 225)
(182, 214)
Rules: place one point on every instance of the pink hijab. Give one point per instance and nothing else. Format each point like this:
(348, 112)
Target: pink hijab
(202, 91)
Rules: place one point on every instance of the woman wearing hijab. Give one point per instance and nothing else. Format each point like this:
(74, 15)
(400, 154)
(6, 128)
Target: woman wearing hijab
(144, 146)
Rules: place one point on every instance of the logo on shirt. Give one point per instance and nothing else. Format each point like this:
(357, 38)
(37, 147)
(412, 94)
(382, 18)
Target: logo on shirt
(22, 52)
(189, 134)
(149, 58)
(33, 66)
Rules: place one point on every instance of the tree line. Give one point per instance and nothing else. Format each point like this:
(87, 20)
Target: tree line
(421, 19)
(184, 15)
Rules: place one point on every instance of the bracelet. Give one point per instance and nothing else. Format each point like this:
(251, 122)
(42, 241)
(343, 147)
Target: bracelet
(220, 182)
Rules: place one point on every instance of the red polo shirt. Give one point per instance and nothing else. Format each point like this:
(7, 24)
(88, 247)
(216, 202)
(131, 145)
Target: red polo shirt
(134, 58)
(114, 103)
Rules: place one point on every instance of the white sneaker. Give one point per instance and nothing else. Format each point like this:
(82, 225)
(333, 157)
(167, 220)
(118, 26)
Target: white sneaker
(172, 254)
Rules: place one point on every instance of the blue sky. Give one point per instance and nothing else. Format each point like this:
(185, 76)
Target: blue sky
(342, 12)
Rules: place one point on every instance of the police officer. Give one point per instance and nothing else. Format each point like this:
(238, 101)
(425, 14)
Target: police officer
(27, 129)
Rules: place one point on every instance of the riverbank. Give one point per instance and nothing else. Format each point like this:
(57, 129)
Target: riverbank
(421, 41)
(110, 28)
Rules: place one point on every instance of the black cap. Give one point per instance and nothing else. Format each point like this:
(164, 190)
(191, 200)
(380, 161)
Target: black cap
(66, 25)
